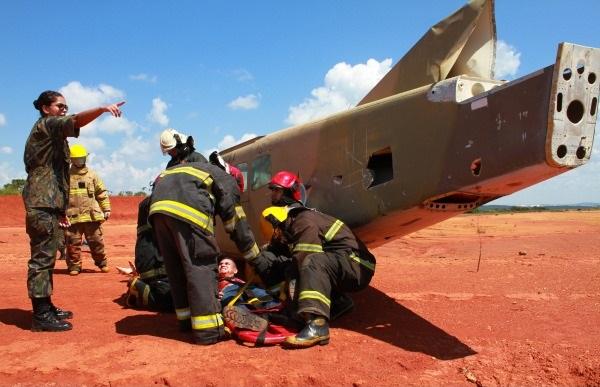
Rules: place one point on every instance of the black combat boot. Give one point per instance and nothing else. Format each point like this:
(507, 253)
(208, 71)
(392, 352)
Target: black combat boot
(315, 332)
(44, 319)
(58, 312)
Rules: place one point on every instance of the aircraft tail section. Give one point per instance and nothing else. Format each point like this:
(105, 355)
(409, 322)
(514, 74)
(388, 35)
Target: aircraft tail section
(464, 43)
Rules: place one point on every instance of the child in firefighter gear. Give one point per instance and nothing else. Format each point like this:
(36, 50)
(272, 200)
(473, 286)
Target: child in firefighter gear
(185, 200)
(180, 147)
(148, 287)
(45, 197)
(89, 207)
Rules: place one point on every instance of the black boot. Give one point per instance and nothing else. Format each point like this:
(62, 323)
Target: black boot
(44, 319)
(315, 332)
(58, 312)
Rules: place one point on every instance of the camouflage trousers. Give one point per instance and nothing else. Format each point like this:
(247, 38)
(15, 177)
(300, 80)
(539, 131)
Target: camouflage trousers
(42, 227)
(93, 236)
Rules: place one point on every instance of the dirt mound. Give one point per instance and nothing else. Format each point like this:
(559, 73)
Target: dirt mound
(489, 300)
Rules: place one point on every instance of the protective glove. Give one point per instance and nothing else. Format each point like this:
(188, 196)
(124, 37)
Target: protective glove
(106, 215)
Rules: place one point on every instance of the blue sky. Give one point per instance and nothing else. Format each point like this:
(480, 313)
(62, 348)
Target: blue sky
(225, 71)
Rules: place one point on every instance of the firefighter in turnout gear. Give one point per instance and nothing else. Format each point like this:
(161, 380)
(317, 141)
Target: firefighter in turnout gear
(329, 257)
(180, 147)
(149, 286)
(89, 207)
(185, 200)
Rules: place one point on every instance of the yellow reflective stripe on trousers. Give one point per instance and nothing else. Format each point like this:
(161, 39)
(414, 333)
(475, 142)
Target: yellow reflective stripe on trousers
(184, 211)
(183, 313)
(367, 264)
(145, 295)
(239, 211)
(308, 248)
(208, 321)
(335, 227)
(205, 177)
(252, 253)
(314, 295)
(153, 273)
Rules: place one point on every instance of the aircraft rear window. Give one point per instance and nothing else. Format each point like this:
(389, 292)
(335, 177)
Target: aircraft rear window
(261, 171)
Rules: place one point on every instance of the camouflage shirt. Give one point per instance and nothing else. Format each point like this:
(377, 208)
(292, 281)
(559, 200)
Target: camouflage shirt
(47, 163)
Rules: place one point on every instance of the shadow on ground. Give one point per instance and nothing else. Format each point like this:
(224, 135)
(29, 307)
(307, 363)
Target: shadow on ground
(379, 316)
(17, 317)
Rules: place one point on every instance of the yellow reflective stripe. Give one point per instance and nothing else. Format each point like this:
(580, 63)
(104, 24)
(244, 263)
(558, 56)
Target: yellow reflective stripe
(230, 224)
(144, 228)
(208, 321)
(335, 227)
(308, 248)
(153, 273)
(252, 253)
(367, 264)
(239, 211)
(314, 295)
(184, 211)
(146, 293)
(81, 218)
(78, 192)
(205, 177)
(183, 313)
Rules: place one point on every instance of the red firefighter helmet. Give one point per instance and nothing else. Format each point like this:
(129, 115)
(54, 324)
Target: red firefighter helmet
(290, 183)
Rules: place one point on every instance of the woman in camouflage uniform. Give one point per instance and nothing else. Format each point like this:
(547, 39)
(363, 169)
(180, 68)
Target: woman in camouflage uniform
(46, 197)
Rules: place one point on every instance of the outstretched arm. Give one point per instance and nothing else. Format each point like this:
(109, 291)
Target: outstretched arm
(87, 116)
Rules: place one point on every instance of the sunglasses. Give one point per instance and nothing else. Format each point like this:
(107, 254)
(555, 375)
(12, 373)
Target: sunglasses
(61, 106)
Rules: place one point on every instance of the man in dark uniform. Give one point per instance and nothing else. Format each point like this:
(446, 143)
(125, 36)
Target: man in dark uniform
(329, 257)
(180, 147)
(184, 202)
(45, 196)
(149, 286)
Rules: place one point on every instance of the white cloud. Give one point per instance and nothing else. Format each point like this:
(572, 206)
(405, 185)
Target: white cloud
(2, 119)
(508, 60)
(243, 75)
(92, 144)
(158, 113)
(247, 102)
(80, 97)
(228, 141)
(120, 174)
(8, 173)
(112, 125)
(139, 149)
(6, 150)
(345, 85)
(143, 77)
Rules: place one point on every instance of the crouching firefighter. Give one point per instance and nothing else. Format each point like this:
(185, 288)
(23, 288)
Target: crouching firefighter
(149, 286)
(329, 257)
(184, 202)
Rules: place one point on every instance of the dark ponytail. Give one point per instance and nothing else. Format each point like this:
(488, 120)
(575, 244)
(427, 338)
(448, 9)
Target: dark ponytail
(45, 99)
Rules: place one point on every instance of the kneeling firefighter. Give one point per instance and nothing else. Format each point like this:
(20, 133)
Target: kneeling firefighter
(329, 257)
(149, 286)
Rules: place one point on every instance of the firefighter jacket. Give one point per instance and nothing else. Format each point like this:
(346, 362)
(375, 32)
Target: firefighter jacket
(88, 197)
(195, 193)
(148, 262)
(309, 231)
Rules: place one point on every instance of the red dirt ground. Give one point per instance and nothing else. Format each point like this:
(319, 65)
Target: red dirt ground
(529, 316)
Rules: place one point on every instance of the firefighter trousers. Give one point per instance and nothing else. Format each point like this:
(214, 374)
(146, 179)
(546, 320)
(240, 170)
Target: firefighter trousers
(190, 258)
(95, 239)
(320, 274)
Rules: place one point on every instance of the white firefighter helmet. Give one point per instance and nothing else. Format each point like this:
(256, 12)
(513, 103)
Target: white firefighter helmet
(169, 139)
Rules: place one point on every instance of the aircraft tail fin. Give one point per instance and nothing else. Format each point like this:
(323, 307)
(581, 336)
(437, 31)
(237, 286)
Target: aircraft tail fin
(464, 43)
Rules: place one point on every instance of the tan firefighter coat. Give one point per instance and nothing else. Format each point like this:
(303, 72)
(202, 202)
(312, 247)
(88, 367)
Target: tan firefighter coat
(88, 197)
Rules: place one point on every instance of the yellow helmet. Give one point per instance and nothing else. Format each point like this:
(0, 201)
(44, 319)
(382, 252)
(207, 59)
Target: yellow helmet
(78, 150)
(271, 218)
